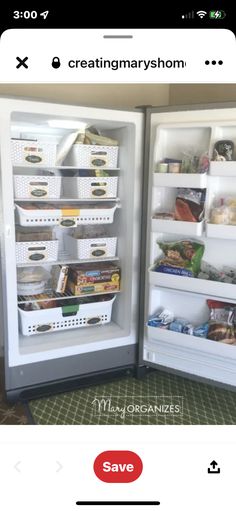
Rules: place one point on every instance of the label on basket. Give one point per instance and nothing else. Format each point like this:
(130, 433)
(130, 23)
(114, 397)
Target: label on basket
(99, 192)
(93, 321)
(98, 252)
(68, 221)
(44, 328)
(38, 189)
(37, 253)
(98, 160)
(31, 154)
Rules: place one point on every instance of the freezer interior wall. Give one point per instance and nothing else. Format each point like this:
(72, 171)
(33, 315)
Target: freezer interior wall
(25, 125)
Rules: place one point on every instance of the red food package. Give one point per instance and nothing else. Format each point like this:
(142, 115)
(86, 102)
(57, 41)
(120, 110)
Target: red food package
(222, 322)
(189, 204)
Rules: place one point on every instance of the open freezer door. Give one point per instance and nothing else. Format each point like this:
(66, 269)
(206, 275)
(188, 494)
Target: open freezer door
(189, 241)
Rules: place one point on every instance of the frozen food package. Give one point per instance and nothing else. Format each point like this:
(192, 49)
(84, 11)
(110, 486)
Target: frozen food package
(59, 277)
(230, 201)
(222, 322)
(204, 164)
(232, 215)
(178, 325)
(32, 274)
(219, 215)
(201, 330)
(97, 139)
(163, 318)
(180, 257)
(189, 204)
(159, 215)
(33, 234)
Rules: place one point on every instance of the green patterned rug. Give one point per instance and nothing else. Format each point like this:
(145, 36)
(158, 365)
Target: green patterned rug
(159, 398)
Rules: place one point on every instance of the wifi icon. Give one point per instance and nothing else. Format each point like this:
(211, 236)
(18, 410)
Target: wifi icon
(201, 14)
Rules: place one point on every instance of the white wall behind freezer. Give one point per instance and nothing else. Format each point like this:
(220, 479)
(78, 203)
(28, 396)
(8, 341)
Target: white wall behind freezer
(124, 96)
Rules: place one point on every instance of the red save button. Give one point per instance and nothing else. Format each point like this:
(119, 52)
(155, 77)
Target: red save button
(118, 466)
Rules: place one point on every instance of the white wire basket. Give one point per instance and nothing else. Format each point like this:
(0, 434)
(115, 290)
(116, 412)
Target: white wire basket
(70, 217)
(91, 187)
(33, 251)
(88, 248)
(67, 317)
(93, 156)
(35, 154)
(38, 186)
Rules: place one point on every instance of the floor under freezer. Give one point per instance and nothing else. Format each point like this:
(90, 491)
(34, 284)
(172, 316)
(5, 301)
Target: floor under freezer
(11, 415)
(201, 403)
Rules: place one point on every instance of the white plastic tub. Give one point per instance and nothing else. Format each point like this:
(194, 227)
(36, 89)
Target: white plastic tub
(88, 248)
(67, 317)
(33, 251)
(70, 217)
(90, 187)
(38, 186)
(35, 154)
(93, 156)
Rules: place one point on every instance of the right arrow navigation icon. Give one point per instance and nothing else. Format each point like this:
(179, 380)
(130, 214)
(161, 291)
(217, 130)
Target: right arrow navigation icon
(213, 469)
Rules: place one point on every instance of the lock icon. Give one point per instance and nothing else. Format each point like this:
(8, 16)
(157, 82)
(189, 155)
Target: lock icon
(56, 62)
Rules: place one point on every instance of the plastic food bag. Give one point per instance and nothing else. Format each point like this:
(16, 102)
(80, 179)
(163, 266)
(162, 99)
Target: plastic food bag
(222, 325)
(189, 204)
(180, 258)
(161, 319)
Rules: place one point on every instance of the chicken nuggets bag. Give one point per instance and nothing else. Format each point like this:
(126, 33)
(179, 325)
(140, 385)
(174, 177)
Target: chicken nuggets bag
(180, 258)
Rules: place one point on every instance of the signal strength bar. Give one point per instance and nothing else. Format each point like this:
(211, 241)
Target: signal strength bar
(189, 15)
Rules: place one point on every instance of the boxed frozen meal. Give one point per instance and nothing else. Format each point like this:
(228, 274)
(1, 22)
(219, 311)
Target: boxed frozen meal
(93, 279)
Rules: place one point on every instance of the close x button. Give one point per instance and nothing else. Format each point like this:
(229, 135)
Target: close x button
(118, 466)
(22, 62)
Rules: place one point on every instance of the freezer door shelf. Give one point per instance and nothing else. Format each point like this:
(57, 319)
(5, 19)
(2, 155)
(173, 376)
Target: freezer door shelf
(195, 285)
(223, 168)
(192, 355)
(177, 227)
(180, 180)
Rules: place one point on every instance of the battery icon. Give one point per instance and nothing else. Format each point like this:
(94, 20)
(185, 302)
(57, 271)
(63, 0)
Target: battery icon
(217, 15)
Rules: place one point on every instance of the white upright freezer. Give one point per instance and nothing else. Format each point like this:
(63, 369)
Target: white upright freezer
(82, 238)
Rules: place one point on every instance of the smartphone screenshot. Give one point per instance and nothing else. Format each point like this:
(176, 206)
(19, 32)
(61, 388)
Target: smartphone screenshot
(118, 259)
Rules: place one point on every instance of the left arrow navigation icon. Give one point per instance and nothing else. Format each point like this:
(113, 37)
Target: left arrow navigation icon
(17, 466)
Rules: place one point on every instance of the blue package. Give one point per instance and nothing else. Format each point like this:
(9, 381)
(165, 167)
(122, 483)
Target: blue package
(201, 330)
(188, 329)
(161, 319)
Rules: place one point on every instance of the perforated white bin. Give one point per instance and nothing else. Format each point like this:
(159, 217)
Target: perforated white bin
(93, 156)
(89, 248)
(91, 187)
(64, 318)
(33, 251)
(35, 154)
(70, 217)
(37, 186)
